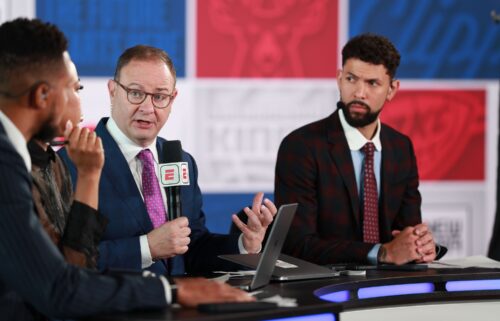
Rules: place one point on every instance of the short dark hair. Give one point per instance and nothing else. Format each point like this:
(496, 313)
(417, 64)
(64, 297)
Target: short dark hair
(143, 52)
(29, 47)
(374, 49)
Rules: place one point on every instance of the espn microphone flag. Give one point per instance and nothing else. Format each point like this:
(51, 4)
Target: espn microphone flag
(174, 173)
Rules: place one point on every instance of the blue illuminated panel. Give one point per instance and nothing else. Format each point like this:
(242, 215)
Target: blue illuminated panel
(99, 31)
(437, 39)
(472, 285)
(394, 290)
(340, 296)
(312, 317)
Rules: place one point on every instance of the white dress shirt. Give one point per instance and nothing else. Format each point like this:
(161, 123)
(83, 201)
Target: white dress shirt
(17, 139)
(356, 141)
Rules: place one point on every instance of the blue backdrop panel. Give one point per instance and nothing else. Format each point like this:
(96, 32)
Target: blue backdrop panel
(218, 209)
(99, 30)
(437, 38)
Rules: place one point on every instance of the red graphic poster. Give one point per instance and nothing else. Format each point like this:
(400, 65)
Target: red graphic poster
(257, 38)
(447, 128)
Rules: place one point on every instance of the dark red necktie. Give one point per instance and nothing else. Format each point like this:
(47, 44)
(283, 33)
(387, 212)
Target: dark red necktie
(370, 197)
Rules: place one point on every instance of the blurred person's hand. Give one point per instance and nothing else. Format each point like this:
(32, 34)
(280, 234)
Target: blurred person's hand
(194, 291)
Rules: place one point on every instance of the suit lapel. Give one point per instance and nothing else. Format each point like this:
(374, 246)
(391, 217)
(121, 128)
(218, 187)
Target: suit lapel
(387, 174)
(159, 148)
(117, 171)
(341, 155)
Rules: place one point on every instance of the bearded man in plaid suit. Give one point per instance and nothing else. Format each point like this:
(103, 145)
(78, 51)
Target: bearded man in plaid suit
(323, 166)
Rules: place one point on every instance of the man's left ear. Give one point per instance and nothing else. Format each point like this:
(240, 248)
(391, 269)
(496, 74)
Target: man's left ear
(393, 88)
(41, 96)
(174, 95)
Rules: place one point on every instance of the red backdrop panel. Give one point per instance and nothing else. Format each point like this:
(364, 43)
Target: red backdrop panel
(257, 38)
(447, 128)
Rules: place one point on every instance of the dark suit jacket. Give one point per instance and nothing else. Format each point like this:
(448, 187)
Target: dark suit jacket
(121, 202)
(35, 279)
(315, 169)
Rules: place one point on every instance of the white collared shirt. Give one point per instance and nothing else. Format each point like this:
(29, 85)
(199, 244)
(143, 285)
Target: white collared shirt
(130, 150)
(356, 141)
(17, 139)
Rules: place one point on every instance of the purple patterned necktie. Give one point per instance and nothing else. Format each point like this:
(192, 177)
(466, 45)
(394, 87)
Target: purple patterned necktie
(151, 189)
(370, 198)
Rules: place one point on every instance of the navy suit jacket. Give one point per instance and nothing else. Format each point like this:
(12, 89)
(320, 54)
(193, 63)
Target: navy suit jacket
(121, 202)
(315, 169)
(34, 278)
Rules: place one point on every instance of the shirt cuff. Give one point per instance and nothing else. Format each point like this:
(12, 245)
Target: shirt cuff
(146, 259)
(242, 248)
(372, 255)
(166, 285)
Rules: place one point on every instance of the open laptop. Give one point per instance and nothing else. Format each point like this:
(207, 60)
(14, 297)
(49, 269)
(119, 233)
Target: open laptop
(267, 264)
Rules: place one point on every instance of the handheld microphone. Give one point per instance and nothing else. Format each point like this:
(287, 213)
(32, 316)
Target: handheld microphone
(174, 173)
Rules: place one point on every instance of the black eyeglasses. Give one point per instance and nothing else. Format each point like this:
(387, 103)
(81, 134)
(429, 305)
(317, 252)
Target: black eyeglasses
(137, 96)
(26, 91)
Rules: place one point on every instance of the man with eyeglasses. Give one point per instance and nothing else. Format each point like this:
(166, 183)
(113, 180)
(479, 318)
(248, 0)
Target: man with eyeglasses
(37, 86)
(142, 93)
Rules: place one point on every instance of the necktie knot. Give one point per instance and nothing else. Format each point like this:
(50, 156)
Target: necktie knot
(146, 156)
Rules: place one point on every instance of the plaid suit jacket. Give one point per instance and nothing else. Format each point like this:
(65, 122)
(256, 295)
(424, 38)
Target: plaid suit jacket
(315, 169)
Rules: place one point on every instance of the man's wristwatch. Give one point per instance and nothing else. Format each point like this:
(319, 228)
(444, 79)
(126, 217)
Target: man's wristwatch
(173, 291)
(381, 255)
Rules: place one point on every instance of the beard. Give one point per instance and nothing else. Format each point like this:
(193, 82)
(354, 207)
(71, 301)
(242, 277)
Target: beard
(48, 130)
(358, 119)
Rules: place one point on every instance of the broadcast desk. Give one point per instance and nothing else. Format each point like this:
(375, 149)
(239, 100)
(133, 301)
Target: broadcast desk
(467, 294)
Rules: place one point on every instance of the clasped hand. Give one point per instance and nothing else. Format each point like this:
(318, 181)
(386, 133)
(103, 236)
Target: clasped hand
(414, 243)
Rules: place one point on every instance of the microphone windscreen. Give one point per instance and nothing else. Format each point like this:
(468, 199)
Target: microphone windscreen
(172, 151)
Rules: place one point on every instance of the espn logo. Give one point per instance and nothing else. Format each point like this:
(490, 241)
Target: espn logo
(174, 174)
